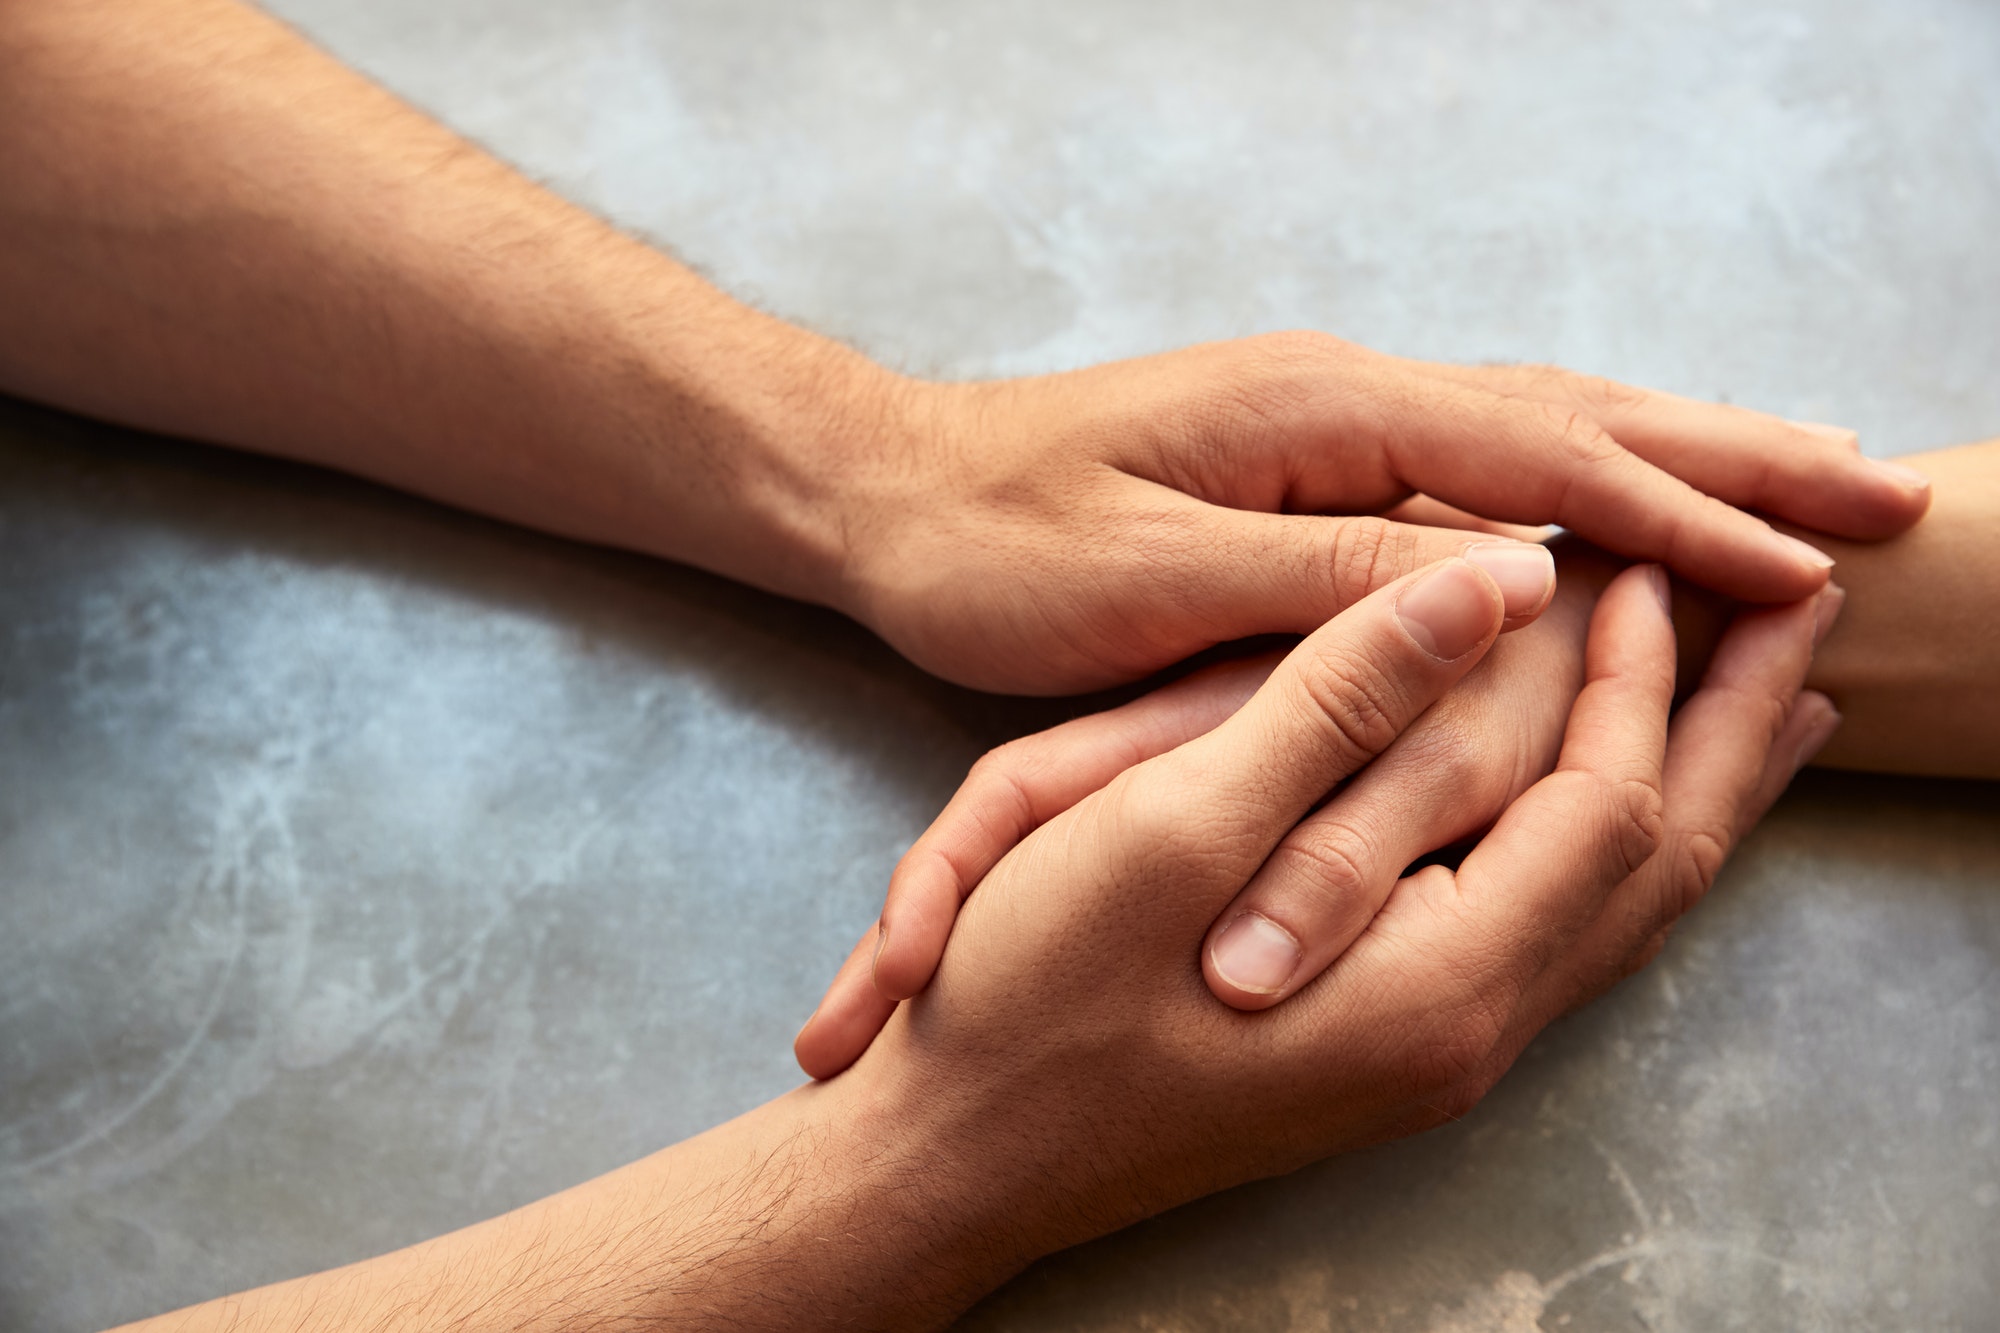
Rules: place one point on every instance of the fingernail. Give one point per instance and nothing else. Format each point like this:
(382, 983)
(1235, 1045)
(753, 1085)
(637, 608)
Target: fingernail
(1816, 739)
(1827, 610)
(1837, 434)
(1805, 550)
(1898, 473)
(1525, 571)
(1448, 611)
(1256, 954)
(881, 938)
(1662, 588)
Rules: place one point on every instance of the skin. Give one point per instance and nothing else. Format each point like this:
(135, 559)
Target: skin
(210, 229)
(1068, 1073)
(1907, 658)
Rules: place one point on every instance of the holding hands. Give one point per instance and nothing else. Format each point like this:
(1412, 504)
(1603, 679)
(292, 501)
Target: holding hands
(1067, 1067)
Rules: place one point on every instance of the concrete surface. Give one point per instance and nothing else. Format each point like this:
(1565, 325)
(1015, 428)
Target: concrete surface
(369, 868)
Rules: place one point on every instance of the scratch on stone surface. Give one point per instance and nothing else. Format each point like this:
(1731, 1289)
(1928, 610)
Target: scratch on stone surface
(1515, 1301)
(252, 854)
(211, 1010)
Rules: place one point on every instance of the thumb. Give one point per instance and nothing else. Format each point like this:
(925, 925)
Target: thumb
(1224, 800)
(1256, 573)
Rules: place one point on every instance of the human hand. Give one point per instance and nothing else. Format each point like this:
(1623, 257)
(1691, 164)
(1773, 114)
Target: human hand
(1447, 778)
(1068, 1070)
(1071, 531)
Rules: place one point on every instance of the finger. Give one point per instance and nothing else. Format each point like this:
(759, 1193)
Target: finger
(1526, 461)
(1445, 780)
(1223, 801)
(1811, 725)
(1542, 876)
(1252, 573)
(1718, 779)
(1812, 475)
(1426, 511)
(848, 1017)
(1022, 785)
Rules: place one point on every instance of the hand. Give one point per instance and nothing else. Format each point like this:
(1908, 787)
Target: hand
(1062, 533)
(1447, 778)
(1069, 1071)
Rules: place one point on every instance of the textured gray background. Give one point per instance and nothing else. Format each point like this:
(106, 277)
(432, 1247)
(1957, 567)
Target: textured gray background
(369, 869)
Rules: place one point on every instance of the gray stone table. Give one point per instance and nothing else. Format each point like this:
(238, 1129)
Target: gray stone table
(366, 868)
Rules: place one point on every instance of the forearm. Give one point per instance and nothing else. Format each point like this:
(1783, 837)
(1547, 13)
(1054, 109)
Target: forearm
(824, 1208)
(208, 228)
(1913, 662)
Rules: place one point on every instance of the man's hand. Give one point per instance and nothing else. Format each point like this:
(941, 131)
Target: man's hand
(1449, 777)
(1075, 1073)
(212, 230)
(1063, 533)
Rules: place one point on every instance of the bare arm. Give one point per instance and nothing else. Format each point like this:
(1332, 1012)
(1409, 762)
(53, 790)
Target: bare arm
(824, 1207)
(1067, 1073)
(211, 229)
(1914, 663)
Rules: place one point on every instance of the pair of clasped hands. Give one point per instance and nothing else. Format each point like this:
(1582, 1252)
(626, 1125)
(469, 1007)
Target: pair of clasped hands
(1125, 894)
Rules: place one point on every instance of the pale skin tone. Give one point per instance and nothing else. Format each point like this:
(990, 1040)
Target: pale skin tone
(210, 229)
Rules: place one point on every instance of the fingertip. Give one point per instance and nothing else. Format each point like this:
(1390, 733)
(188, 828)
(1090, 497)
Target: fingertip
(1804, 553)
(1452, 609)
(1905, 496)
(1816, 720)
(901, 969)
(1663, 589)
(842, 1028)
(1826, 610)
(819, 1051)
(1525, 574)
(1251, 962)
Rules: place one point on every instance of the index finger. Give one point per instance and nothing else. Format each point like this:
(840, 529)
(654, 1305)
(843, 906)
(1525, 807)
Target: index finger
(1815, 476)
(1541, 876)
(1525, 461)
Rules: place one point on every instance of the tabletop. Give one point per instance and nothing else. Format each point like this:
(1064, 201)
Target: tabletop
(370, 868)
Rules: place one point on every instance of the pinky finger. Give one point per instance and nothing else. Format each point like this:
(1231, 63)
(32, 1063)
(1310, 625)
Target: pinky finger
(848, 1017)
(1022, 785)
(1807, 729)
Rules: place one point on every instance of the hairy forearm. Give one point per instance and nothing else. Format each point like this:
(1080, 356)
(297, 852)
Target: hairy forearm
(824, 1208)
(211, 229)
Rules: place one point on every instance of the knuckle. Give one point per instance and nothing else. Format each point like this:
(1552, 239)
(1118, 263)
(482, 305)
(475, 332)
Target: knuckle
(1597, 392)
(1326, 866)
(1369, 552)
(1638, 818)
(1004, 772)
(1268, 381)
(995, 763)
(1578, 436)
(1355, 702)
(1701, 856)
(1622, 820)
(1647, 952)
(1298, 349)
(1452, 1065)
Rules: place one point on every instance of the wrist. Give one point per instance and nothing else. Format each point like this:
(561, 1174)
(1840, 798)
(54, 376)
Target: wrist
(759, 453)
(849, 1203)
